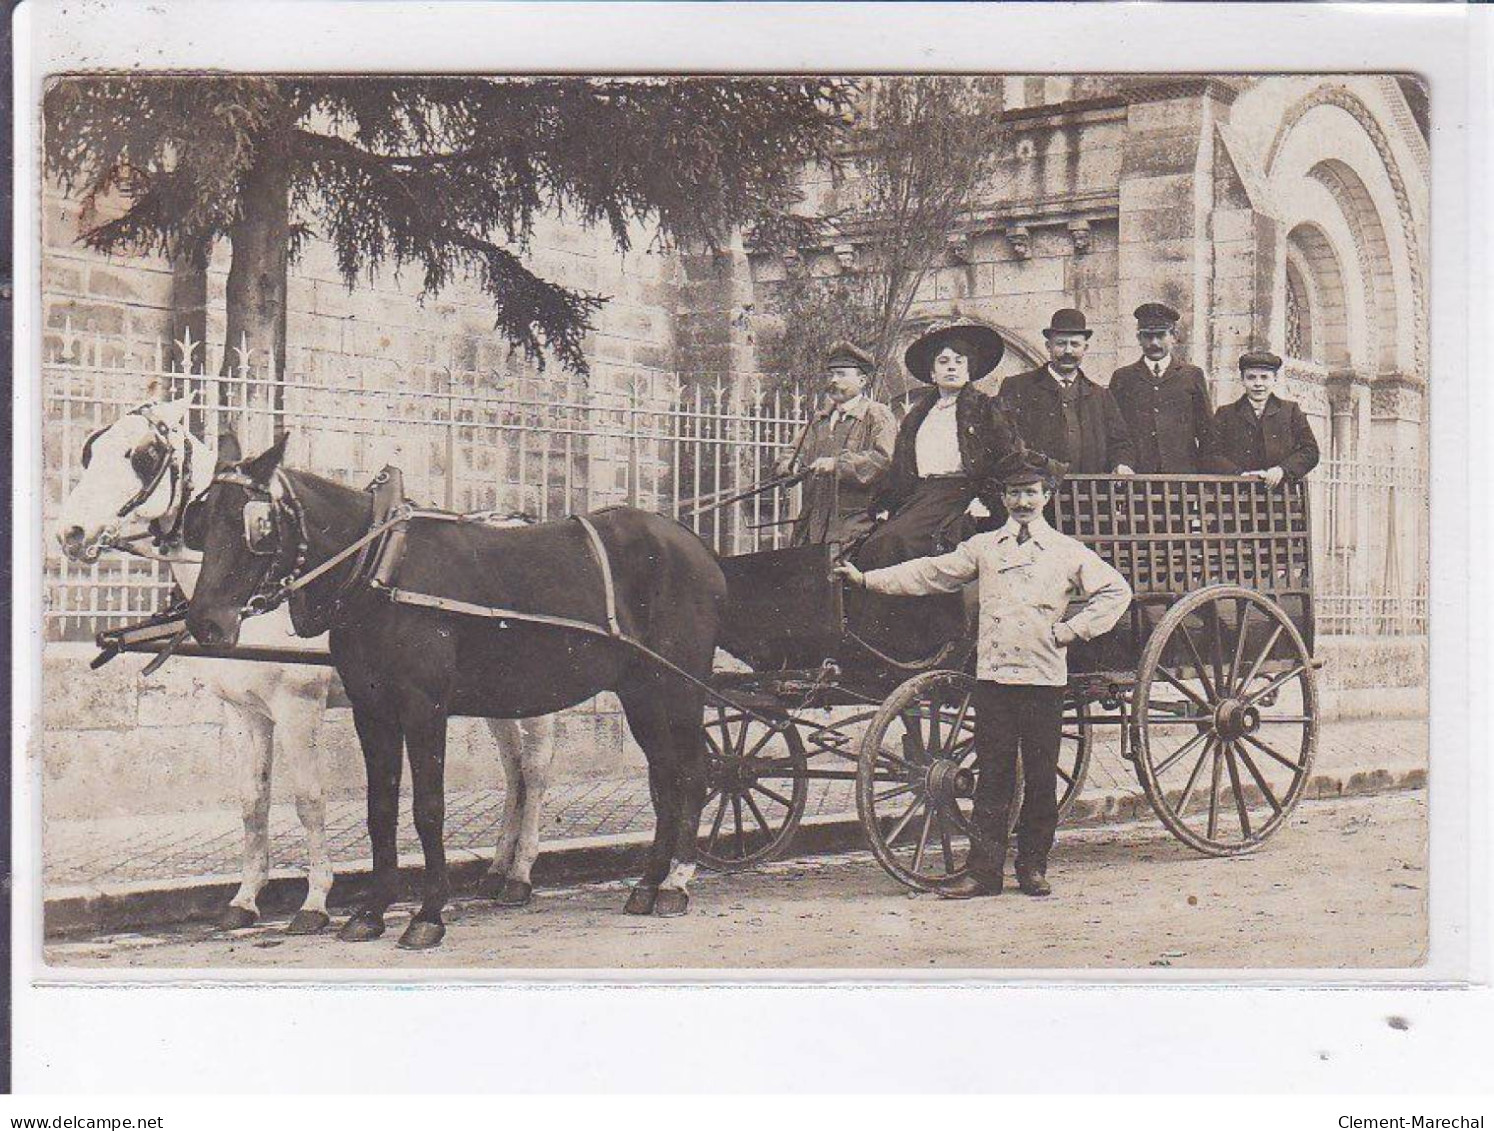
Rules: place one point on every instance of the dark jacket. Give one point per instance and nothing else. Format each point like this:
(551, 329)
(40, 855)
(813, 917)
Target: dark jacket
(1032, 401)
(1171, 421)
(985, 433)
(1282, 438)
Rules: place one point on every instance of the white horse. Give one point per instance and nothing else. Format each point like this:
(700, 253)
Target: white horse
(139, 475)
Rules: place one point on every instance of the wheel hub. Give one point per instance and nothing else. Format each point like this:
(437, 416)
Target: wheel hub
(1235, 717)
(945, 781)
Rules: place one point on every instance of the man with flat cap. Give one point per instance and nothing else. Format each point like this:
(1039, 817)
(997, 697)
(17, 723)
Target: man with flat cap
(844, 449)
(1262, 435)
(1062, 413)
(1165, 402)
(1027, 575)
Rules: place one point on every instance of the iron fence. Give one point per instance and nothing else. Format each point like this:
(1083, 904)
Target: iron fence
(1372, 535)
(465, 440)
(471, 440)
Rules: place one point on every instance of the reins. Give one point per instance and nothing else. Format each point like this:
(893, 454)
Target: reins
(265, 599)
(181, 482)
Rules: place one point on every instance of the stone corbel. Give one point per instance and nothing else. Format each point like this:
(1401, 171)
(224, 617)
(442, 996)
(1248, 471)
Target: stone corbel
(957, 244)
(1079, 233)
(1021, 240)
(793, 262)
(845, 256)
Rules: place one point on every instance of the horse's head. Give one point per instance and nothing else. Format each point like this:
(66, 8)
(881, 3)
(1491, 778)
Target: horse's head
(132, 476)
(252, 537)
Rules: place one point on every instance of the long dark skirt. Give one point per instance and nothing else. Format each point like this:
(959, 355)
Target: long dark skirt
(927, 523)
(930, 522)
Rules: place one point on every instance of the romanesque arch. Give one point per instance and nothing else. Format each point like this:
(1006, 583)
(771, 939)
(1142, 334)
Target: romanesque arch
(1330, 139)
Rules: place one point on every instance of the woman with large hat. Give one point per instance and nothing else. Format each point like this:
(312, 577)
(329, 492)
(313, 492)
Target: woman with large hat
(948, 448)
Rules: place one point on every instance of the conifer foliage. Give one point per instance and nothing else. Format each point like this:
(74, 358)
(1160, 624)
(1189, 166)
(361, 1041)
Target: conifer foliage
(447, 176)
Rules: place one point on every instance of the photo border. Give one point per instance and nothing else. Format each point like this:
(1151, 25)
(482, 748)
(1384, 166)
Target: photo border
(1444, 43)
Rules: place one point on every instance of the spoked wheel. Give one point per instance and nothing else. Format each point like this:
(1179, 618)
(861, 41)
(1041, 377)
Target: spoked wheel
(1075, 744)
(1225, 719)
(756, 787)
(915, 783)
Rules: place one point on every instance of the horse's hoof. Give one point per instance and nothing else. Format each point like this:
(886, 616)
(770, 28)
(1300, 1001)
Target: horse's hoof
(491, 885)
(308, 923)
(421, 935)
(513, 893)
(236, 918)
(364, 926)
(641, 900)
(671, 902)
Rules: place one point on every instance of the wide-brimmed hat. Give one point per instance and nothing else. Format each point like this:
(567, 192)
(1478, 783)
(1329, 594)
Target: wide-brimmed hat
(848, 355)
(1259, 359)
(981, 345)
(1156, 316)
(1067, 321)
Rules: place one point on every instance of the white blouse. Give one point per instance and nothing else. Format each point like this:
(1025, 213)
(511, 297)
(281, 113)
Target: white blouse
(936, 448)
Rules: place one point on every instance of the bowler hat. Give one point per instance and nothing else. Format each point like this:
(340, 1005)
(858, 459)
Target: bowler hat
(981, 345)
(1067, 321)
(1259, 359)
(847, 355)
(1156, 316)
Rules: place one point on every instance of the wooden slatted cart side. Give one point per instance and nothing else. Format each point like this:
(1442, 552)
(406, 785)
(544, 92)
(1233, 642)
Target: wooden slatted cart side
(1171, 535)
(1210, 677)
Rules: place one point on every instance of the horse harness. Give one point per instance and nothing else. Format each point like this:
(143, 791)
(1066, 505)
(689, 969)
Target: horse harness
(376, 555)
(165, 464)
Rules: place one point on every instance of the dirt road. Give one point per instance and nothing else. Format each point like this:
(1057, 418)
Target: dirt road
(1343, 886)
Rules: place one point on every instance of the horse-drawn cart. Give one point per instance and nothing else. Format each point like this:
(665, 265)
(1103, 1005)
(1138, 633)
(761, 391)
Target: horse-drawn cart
(1208, 681)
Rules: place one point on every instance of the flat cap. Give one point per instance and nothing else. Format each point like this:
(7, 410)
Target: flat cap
(1156, 316)
(848, 355)
(1024, 465)
(1259, 359)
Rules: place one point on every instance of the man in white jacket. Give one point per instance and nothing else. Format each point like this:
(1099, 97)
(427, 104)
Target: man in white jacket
(1027, 574)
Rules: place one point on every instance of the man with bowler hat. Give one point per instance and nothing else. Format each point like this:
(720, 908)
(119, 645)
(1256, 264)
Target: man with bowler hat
(1062, 413)
(1027, 573)
(1165, 401)
(844, 449)
(1261, 435)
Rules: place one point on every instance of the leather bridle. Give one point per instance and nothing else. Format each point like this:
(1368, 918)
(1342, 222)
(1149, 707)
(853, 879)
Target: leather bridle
(181, 483)
(285, 512)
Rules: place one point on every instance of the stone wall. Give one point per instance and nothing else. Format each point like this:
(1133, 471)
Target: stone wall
(115, 744)
(379, 335)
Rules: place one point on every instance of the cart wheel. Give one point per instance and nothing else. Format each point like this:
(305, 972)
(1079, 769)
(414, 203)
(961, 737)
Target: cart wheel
(1225, 691)
(756, 787)
(1075, 744)
(915, 783)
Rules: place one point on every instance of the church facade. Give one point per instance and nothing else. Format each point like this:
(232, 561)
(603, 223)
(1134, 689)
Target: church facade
(1284, 212)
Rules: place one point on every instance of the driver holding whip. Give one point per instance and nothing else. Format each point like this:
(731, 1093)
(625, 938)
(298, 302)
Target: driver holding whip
(843, 450)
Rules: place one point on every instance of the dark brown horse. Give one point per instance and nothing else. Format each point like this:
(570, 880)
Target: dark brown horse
(408, 669)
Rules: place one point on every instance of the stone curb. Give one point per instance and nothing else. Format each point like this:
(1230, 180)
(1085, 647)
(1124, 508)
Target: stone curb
(144, 904)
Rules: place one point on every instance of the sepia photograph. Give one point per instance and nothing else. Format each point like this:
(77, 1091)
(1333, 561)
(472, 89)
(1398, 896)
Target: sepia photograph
(904, 523)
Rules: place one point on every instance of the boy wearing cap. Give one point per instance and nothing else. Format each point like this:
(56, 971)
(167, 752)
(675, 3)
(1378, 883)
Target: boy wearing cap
(1027, 572)
(1165, 402)
(845, 449)
(1261, 435)
(1061, 412)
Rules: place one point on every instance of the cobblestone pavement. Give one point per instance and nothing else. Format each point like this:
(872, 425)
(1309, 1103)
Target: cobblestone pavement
(208, 843)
